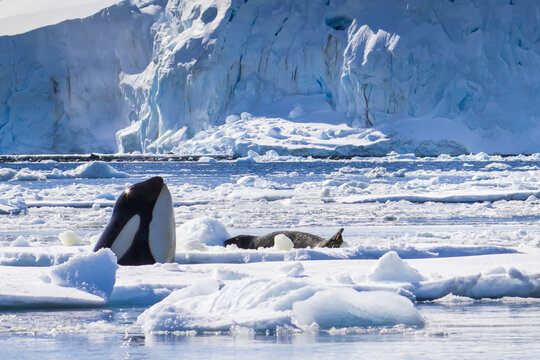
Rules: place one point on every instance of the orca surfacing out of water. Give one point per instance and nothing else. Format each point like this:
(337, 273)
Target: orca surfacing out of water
(142, 230)
(299, 239)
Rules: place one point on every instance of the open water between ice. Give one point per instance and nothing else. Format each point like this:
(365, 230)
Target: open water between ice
(484, 329)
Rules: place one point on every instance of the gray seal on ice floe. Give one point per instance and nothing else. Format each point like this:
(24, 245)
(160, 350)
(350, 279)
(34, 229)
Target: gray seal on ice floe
(142, 230)
(299, 239)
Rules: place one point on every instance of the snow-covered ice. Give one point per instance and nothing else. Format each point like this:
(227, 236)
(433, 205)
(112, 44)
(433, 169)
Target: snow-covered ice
(270, 303)
(399, 252)
(406, 268)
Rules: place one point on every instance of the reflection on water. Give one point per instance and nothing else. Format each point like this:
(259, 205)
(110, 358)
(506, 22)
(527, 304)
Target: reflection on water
(505, 328)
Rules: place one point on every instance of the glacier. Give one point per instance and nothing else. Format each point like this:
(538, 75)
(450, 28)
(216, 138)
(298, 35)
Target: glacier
(332, 77)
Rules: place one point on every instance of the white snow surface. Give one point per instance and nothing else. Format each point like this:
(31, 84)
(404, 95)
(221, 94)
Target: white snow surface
(319, 78)
(391, 268)
(269, 303)
(199, 233)
(94, 273)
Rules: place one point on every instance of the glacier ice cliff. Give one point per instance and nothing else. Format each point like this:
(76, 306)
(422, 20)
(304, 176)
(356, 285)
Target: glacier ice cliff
(423, 76)
(60, 84)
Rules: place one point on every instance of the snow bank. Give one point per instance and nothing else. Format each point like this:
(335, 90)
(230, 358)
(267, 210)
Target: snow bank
(55, 255)
(263, 304)
(35, 256)
(30, 288)
(94, 273)
(494, 284)
(234, 255)
(391, 268)
(252, 136)
(198, 233)
(509, 282)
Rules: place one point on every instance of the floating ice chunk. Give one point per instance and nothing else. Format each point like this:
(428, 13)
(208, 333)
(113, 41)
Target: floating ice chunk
(247, 180)
(12, 206)
(20, 242)
(498, 166)
(94, 273)
(494, 284)
(390, 267)
(171, 313)
(26, 174)
(282, 242)
(7, 174)
(259, 303)
(340, 308)
(481, 156)
(95, 170)
(252, 155)
(207, 159)
(69, 238)
(201, 232)
(395, 155)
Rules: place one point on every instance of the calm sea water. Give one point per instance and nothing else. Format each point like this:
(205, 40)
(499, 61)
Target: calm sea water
(490, 330)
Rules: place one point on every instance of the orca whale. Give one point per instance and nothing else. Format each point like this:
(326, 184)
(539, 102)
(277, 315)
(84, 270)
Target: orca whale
(142, 230)
(299, 239)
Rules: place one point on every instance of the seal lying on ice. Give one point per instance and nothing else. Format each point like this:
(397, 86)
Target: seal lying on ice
(299, 239)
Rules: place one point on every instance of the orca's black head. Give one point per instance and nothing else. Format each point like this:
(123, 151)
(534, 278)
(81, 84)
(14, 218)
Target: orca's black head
(146, 191)
(133, 211)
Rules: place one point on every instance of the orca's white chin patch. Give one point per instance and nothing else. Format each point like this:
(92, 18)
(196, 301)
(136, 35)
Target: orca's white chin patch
(162, 232)
(124, 240)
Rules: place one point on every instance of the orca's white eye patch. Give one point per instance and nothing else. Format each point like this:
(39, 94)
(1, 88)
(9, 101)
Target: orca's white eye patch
(124, 240)
(162, 232)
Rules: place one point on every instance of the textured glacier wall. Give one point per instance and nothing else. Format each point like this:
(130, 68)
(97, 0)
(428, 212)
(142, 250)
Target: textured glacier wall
(399, 65)
(431, 75)
(59, 85)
